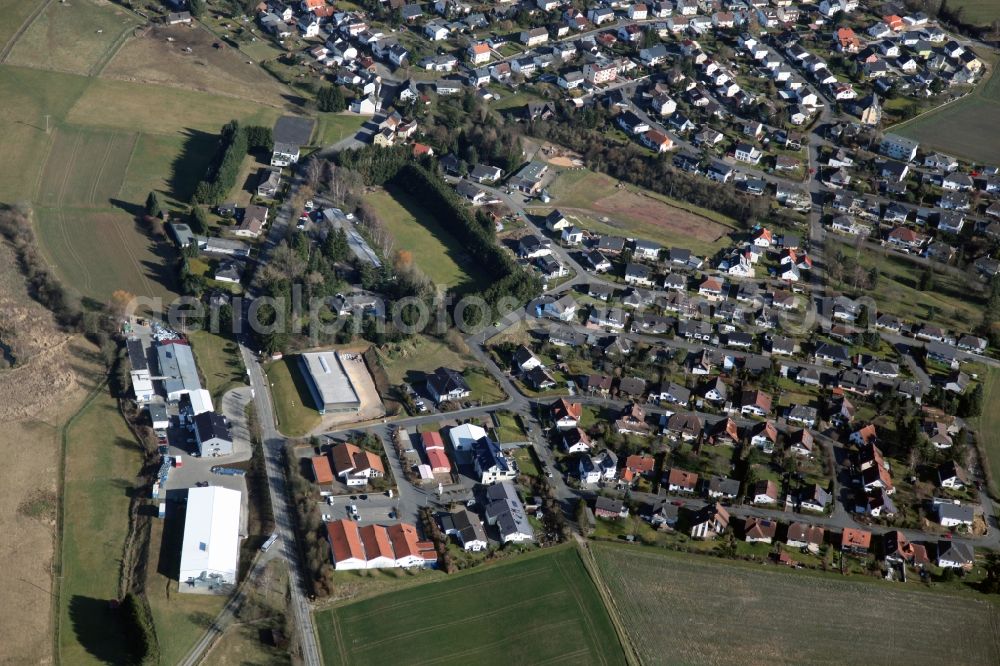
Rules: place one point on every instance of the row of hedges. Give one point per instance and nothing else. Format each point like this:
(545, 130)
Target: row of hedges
(234, 144)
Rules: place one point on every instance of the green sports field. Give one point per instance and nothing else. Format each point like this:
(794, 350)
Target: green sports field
(537, 609)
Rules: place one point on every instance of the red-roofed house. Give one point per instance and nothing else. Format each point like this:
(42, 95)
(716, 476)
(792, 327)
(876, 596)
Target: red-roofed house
(321, 469)
(856, 541)
(636, 466)
(847, 41)
(355, 466)
(566, 414)
(436, 456)
(421, 149)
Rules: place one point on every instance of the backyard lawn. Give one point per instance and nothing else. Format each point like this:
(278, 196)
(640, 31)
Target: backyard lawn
(297, 415)
(333, 127)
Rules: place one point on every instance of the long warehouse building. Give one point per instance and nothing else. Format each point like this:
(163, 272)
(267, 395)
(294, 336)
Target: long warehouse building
(178, 371)
(211, 551)
(330, 386)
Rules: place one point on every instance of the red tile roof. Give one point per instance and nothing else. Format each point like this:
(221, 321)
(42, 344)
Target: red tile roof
(345, 542)
(376, 542)
(321, 469)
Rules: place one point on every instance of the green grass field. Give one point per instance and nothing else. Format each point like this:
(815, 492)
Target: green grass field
(332, 127)
(102, 460)
(977, 12)
(898, 293)
(109, 144)
(77, 37)
(435, 251)
(966, 128)
(98, 251)
(538, 608)
(699, 610)
(297, 415)
(595, 202)
(219, 360)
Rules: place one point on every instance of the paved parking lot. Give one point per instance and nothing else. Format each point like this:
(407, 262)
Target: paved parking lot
(375, 509)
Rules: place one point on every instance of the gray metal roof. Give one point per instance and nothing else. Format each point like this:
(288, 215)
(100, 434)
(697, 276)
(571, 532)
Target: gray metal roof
(177, 367)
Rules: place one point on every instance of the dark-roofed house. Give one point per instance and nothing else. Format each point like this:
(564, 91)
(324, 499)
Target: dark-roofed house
(212, 433)
(709, 522)
(446, 384)
(467, 529)
(801, 535)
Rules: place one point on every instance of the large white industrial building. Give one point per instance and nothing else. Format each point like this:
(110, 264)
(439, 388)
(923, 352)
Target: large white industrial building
(329, 384)
(211, 551)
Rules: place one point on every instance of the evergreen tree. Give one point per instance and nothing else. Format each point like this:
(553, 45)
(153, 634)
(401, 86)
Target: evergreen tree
(198, 219)
(153, 208)
(331, 99)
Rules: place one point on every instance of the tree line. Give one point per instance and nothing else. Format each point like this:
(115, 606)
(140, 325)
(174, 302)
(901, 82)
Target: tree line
(235, 142)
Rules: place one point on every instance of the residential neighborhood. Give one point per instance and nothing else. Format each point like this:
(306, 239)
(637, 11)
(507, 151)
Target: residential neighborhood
(523, 311)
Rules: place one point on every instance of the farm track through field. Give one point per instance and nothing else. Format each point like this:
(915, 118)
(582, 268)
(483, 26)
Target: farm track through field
(135, 260)
(111, 51)
(100, 171)
(39, 10)
(339, 637)
(61, 221)
(128, 163)
(464, 619)
(61, 196)
(591, 630)
(424, 599)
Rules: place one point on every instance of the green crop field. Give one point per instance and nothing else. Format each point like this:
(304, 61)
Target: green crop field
(697, 610)
(435, 251)
(988, 426)
(78, 37)
(966, 128)
(102, 460)
(84, 167)
(593, 201)
(536, 609)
